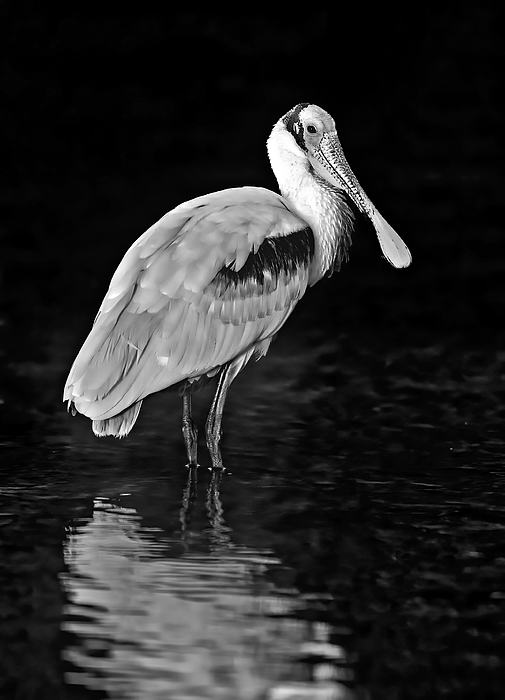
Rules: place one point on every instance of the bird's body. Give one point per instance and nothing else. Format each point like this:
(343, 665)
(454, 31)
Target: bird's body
(215, 278)
(209, 285)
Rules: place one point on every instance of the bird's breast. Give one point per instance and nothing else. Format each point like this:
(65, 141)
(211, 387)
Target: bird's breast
(330, 217)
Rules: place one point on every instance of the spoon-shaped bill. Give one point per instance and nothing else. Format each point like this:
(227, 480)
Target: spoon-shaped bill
(329, 162)
(393, 248)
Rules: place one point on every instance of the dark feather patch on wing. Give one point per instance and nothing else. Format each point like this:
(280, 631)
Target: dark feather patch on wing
(275, 255)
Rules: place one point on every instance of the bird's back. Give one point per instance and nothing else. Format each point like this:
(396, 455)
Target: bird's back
(213, 279)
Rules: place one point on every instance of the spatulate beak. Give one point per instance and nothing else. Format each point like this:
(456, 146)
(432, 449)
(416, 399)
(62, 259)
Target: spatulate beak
(329, 162)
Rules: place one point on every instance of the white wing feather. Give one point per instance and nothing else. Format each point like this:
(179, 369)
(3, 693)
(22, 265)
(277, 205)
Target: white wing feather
(163, 320)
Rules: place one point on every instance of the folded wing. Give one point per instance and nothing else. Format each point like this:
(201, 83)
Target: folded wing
(214, 278)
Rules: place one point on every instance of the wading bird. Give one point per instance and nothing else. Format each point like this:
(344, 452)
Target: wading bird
(210, 284)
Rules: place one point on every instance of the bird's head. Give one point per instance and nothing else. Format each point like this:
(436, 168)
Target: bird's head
(305, 140)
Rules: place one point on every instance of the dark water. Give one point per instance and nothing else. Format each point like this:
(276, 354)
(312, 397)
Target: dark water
(354, 547)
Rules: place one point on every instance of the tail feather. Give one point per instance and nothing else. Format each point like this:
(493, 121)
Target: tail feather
(119, 426)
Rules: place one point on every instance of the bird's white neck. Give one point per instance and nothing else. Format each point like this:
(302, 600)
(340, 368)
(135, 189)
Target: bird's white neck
(320, 204)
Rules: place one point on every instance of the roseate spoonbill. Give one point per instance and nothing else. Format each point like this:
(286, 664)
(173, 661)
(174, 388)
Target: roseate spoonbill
(209, 285)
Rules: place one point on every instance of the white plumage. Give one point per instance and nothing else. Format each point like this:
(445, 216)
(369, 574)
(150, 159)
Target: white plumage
(209, 285)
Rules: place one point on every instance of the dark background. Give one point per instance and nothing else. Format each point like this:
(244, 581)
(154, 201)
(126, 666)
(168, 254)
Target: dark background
(109, 120)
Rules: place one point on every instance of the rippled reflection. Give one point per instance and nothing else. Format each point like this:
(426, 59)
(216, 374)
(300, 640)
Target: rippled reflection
(190, 615)
(357, 542)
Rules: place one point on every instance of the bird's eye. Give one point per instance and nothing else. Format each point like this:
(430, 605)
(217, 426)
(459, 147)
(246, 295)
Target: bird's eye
(311, 129)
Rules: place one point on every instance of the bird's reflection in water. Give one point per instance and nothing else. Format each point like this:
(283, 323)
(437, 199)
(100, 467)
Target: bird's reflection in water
(219, 532)
(153, 615)
(188, 500)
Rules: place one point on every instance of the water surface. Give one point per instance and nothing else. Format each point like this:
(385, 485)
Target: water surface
(353, 547)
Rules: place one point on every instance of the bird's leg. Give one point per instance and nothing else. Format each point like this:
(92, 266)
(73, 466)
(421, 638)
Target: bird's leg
(189, 430)
(215, 417)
